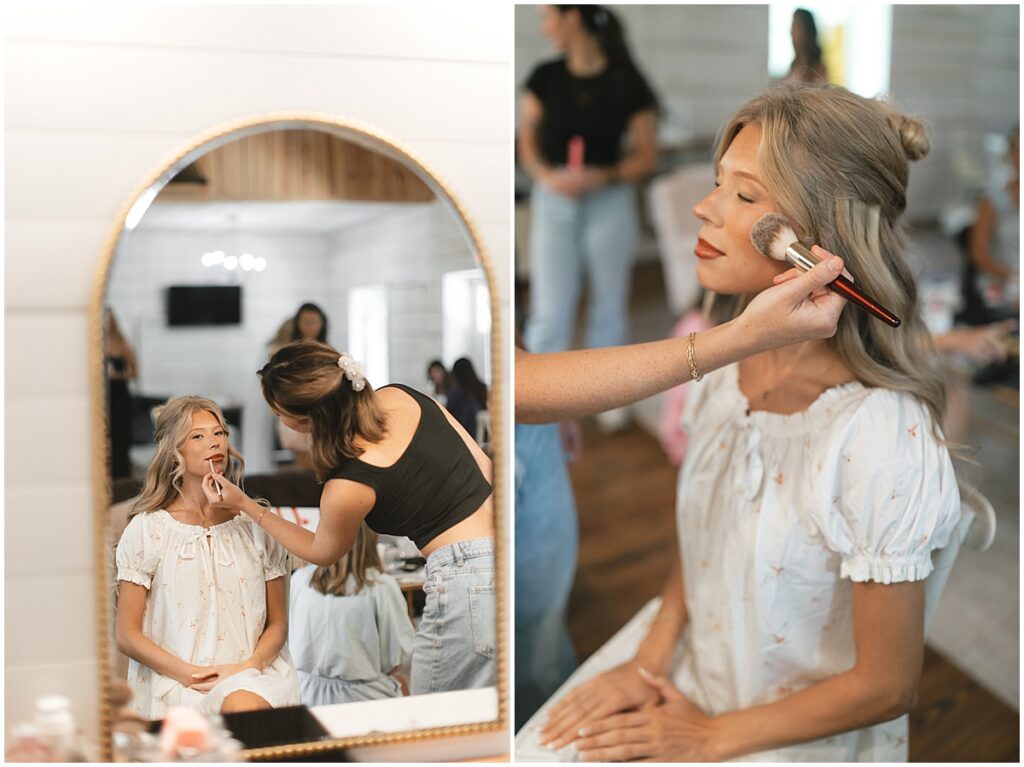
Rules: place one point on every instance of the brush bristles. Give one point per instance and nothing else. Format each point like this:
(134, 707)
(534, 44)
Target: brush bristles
(771, 236)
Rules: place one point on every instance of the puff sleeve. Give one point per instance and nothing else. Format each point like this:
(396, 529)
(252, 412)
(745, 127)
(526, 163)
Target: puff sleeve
(139, 550)
(273, 555)
(888, 495)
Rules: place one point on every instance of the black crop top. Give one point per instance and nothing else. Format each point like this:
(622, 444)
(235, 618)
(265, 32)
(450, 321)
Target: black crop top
(435, 484)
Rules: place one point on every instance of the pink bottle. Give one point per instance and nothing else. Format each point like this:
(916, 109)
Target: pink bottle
(574, 153)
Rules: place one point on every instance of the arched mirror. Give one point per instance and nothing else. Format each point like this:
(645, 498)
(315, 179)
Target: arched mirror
(255, 235)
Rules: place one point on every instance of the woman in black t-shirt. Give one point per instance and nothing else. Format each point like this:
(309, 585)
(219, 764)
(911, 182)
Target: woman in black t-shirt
(578, 112)
(391, 457)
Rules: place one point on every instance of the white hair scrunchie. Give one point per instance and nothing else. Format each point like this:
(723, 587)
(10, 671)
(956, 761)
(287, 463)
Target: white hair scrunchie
(353, 371)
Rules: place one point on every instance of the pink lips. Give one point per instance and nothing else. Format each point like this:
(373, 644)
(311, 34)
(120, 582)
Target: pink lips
(216, 458)
(705, 250)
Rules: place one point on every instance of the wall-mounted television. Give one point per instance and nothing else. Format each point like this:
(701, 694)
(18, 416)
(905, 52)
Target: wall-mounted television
(204, 305)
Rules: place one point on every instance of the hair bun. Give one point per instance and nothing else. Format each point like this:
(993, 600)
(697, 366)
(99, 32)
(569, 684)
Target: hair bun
(913, 135)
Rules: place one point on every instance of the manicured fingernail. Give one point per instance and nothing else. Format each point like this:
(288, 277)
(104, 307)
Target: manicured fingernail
(644, 671)
(835, 265)
(583, 732)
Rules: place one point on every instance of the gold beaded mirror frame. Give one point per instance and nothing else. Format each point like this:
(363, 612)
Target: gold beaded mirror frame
(129, 216)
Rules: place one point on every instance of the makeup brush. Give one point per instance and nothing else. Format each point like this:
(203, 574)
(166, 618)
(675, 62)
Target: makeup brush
(774, 238)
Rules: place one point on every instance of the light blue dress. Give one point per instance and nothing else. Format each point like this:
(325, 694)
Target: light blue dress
(344, 646)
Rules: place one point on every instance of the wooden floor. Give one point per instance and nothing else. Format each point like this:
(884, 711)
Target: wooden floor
(625, 495)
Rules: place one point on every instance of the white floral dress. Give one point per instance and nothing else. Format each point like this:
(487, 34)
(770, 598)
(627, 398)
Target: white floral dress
(206, 604)
(777, 516)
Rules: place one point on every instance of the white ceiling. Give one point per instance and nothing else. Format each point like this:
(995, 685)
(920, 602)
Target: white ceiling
(321, 216)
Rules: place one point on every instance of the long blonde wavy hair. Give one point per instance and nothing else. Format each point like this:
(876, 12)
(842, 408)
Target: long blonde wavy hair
(172, 422)
(837, 167)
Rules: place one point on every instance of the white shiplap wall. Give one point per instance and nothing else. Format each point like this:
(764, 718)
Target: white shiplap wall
(94, 101)
(211, 361)
(957, 66)
(409, 251)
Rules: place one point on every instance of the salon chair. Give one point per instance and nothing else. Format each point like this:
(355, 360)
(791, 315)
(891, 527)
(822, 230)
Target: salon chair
(671, 198)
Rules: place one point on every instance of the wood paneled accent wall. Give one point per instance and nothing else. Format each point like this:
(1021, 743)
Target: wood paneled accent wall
(298, 165)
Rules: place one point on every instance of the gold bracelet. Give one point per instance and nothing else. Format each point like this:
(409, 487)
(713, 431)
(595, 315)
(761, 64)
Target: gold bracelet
(259, 520)
(690, 358)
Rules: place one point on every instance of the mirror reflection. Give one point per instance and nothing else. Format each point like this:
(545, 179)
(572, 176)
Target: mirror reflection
(320, 532)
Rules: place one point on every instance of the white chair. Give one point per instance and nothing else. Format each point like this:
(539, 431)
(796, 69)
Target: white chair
(671, 198)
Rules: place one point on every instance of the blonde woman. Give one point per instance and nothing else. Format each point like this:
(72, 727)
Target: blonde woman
(202, 606)
(350, 633)
(391, 457)
(816, 484)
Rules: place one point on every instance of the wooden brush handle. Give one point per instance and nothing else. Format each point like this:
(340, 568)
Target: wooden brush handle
(851, 292)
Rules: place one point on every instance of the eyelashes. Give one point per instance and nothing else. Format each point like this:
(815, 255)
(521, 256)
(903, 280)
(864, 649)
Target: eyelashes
(218, 433)
(743, 198)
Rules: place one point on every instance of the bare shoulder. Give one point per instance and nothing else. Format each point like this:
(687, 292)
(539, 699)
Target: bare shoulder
(347, 496)
(396, 399)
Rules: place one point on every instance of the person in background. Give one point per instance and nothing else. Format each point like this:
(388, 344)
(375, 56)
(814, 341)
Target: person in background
(985, 348)
(349, 631)
(547, 542)
(309, 322)
(467, 395)
(587, 133)
(121, 367)
(994, 239)
(441, 379)
(808, 66)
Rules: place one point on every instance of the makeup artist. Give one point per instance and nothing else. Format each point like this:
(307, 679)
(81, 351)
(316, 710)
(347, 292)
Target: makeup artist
(587, 131)
(394, 458)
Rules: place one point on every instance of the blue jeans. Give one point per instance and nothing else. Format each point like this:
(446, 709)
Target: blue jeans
(454, 647)
(545, 563)
(596, 235)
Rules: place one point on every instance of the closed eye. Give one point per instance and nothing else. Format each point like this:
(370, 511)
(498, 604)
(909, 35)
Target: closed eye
(743, 197)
